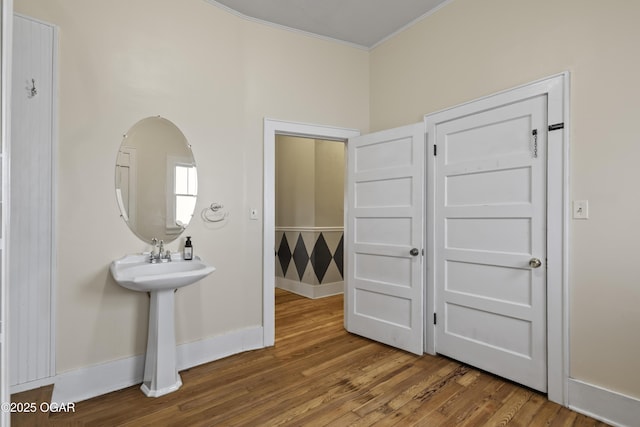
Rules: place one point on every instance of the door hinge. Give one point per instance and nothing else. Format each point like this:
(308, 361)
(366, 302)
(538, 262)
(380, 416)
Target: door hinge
(435, 150)
(435, 319)
(557, 126)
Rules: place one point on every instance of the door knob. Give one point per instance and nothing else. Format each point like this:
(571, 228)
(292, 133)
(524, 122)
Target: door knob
(414, 252)
(535, 263)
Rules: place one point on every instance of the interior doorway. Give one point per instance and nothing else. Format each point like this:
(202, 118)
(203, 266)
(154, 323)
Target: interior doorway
(273, 128)
(309, 215)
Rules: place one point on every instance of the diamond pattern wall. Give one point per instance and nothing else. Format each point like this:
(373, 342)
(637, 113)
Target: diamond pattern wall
(300, 256)
(325, 259)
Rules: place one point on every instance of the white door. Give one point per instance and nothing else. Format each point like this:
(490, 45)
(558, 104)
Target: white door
(490, 248)
(384, 225)
(32, 202)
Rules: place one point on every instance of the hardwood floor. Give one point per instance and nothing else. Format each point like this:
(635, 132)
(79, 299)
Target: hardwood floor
(317, 374)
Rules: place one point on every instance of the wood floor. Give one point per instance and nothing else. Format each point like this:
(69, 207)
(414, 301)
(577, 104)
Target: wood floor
(317, 374)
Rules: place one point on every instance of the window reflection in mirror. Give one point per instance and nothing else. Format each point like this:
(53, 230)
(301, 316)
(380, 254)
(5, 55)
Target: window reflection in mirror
(156, 180)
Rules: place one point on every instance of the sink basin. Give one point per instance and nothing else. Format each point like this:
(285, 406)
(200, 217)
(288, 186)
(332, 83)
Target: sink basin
(135, 272)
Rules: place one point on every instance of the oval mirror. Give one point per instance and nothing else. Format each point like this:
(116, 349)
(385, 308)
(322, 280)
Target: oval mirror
(156, 180)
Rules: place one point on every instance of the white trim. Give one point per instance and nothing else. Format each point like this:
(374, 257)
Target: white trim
(55, 96)
(602, 404)
(311, 229)
(18, 388)
(310, 291)
(556, 87)
(273, 127)
(6, 26)
(85, 383)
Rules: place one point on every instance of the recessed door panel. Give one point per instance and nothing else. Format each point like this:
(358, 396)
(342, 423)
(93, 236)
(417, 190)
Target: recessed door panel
(383, 231)
(384, 308)
(489, 188)
(385, 269)
(397, 193)
(499, 137)
(392, 153)
(489, 281)
(489, 234)
(501, 332)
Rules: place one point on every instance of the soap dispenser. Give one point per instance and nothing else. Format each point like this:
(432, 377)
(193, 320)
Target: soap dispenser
(187, 253)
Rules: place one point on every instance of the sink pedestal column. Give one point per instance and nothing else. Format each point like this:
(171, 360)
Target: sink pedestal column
(160, 369)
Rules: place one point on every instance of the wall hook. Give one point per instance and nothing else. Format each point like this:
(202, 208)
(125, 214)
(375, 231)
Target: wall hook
(33, 91)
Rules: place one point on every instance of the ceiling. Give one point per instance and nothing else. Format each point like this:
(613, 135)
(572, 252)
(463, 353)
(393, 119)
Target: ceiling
(364, 23)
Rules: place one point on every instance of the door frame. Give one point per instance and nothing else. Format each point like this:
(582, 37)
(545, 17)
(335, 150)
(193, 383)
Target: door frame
(557, 90)
(273, 127)
(6, 40)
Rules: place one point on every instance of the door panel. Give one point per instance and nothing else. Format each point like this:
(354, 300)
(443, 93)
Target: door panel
(384, 222)
(490, 222)
(32, 203)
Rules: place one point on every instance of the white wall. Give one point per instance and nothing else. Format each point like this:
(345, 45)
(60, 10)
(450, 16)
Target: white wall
(215, 76)
(469, 49)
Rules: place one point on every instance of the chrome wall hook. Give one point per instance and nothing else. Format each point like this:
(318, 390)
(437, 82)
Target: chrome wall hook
(33, 91)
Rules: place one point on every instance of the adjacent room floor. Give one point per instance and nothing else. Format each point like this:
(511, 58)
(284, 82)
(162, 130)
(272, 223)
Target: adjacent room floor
(317, 374)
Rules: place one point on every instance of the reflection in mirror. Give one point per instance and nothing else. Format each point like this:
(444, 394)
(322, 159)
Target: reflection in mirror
(156, 180)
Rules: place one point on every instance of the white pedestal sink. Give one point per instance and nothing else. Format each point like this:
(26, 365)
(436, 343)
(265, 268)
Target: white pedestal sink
(135, 272)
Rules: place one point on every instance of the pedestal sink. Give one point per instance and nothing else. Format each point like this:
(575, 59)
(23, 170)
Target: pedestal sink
(135, 272)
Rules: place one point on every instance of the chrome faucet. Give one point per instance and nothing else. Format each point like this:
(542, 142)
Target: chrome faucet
(161, 256)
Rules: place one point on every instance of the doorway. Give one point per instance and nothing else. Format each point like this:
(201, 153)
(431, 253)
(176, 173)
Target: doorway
(555, 89)
(462, 251)
(309, 216)
(272, 128)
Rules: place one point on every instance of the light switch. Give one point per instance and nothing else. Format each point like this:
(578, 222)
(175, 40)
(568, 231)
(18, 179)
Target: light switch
(253, 213)
(580, 209)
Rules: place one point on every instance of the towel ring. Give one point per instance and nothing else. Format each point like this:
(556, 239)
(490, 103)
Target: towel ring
(214, 213)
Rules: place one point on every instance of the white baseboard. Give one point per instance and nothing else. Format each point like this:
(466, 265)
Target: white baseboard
(85, 383)
(308, 290)
(604, 405)
(31, 385)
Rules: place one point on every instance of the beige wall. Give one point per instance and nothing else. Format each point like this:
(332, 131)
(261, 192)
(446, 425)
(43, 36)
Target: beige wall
(309, 182)
(330, 170)
(469, 49)
(215, 76)
(295, 182)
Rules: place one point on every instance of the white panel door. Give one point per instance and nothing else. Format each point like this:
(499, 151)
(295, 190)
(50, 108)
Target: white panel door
(384, 225)
(490, 248)
(32, 204)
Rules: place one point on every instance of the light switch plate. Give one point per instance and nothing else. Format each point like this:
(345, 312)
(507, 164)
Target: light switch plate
(580, 209)
(253, 213)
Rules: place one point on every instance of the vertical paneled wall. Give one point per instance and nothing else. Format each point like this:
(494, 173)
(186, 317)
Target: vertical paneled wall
(32, 205)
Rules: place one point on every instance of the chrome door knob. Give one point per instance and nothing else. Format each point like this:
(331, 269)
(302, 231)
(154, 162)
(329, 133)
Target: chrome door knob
(535, 263)
(414, 252)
